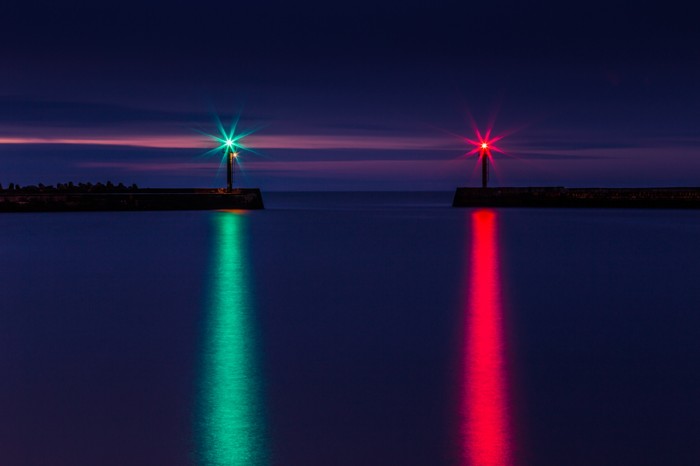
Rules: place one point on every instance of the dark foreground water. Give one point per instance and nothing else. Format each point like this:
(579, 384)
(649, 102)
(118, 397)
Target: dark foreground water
(341, 329)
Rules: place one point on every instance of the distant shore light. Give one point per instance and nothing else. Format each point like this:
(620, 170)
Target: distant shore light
(229, 142)
(484, 145)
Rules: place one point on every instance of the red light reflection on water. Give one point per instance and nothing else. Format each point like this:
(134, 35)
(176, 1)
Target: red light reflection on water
(485, 425)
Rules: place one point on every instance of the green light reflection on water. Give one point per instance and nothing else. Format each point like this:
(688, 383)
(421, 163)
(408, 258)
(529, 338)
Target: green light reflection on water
(231, 418)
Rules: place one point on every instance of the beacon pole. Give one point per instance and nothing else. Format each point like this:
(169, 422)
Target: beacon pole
(484, 166)
(229, 170)
(234, 157)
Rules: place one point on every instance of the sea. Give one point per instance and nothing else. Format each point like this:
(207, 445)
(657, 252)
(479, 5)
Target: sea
(351, 329)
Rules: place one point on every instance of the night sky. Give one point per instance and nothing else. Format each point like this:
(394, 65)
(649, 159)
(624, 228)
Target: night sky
(366, 95)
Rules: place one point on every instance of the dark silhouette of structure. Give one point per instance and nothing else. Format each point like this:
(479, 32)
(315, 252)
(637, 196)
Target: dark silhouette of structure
(484, 165)
(662, 198)
(109, 197)
(231, 155)
(229, 171)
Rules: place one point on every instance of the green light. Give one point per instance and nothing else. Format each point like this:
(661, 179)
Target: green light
(231, 417)
(228, 141)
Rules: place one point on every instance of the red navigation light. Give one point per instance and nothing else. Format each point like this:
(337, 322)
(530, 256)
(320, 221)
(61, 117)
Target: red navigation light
(484, 144)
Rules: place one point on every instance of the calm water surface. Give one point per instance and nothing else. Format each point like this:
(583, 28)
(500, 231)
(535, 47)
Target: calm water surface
(351, 329)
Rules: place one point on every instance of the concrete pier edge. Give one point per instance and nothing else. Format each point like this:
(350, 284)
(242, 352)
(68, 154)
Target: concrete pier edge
(672, 197)
(141, 199)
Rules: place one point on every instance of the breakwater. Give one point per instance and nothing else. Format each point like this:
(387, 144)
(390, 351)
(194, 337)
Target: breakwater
(135, 199)
(674, 198)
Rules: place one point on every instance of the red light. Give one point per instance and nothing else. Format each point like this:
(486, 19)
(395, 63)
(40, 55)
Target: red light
(484, 144)
(485, 427)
